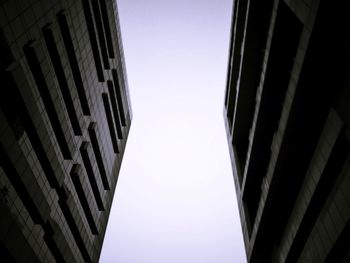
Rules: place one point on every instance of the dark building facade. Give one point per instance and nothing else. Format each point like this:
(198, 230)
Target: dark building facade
(65, 115)
(287, 117)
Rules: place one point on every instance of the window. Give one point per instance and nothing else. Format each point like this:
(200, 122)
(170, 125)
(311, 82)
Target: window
(61, 78)
(68, 43)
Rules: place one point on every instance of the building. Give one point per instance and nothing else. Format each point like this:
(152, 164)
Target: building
(287, 117)
(64, 120)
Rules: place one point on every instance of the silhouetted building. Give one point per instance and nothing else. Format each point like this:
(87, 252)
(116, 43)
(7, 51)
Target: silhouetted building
(64, 119)
(287, 116)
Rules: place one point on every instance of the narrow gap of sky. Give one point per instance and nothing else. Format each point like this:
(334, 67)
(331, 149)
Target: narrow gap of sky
(175, 199)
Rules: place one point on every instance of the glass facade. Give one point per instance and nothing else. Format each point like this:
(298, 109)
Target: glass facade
(65, 116)
(287, 126)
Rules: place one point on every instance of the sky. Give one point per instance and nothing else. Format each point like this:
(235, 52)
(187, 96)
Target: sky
(175, 200)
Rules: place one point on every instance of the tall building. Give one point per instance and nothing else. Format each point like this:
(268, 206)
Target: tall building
(287, 117)
(64, 120)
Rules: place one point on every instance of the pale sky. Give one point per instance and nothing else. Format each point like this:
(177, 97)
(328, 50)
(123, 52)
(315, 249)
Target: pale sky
(175, 199)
